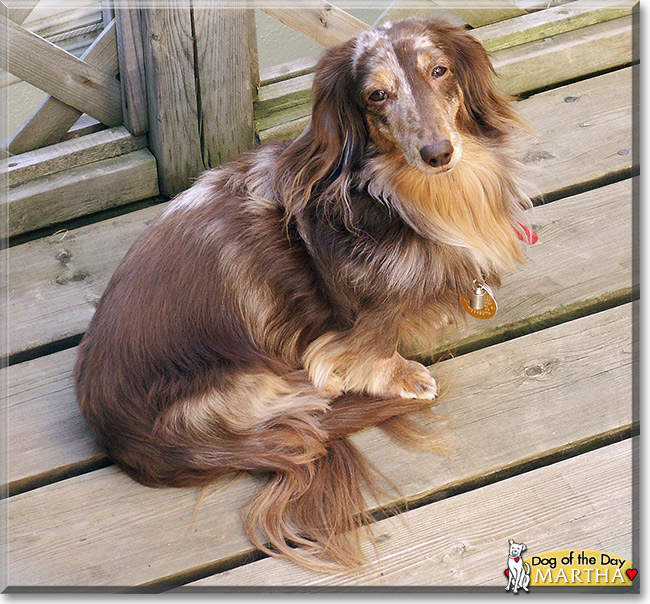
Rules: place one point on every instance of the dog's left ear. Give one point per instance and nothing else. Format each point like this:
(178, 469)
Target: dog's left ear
(485, 111)
(523, 547)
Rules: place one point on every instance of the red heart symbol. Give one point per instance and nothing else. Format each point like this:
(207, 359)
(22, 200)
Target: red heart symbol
(516, 559)
(631, 572)
(507, 572)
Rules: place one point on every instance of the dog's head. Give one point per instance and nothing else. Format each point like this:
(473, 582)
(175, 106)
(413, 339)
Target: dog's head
(516, 548)
(414, 87)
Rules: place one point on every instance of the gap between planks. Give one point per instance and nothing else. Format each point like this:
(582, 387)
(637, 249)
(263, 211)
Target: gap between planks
(561, 386)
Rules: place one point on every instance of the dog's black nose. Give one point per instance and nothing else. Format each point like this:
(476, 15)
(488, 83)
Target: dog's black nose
(437, 154)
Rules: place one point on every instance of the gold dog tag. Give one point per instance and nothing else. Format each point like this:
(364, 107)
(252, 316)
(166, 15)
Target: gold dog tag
(483, 304)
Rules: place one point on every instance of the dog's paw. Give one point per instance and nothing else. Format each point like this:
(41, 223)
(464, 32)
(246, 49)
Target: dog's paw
(413, 381)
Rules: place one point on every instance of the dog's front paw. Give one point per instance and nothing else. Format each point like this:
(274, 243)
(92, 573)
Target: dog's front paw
(413, 381)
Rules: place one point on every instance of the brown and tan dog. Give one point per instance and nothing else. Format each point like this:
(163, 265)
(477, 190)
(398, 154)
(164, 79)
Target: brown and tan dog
(256, 322)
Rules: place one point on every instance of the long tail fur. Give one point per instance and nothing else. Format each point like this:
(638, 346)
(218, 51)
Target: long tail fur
(311, 511)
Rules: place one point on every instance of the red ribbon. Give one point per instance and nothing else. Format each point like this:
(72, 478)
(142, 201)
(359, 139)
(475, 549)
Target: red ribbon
(527, 236)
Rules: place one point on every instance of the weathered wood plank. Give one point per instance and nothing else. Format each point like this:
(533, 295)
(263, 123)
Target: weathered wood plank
(584, 132)
(57, 72)
(550, 22)
(189, 81)
(596, 278)
(223, 71)
(131, 61)
(284, 94)
(55, 295)
(288, 70)
(521, 69)
(51, 121)
(171, 96)
(319, 20)
(481, 12)
(571, 55)
(46, 421)
(70, 154)
(572, 504)
(574, 380)
(579, 143)
(103, 184)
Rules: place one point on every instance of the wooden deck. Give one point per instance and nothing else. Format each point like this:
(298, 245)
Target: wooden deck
(541, 419)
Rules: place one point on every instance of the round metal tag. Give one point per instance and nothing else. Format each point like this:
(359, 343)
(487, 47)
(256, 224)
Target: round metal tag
(489, 306)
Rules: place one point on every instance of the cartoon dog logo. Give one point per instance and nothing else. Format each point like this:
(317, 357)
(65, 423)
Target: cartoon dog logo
(518, 571)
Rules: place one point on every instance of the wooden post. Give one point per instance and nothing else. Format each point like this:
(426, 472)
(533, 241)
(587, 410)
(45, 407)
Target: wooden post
(132, 77)
(199, 89)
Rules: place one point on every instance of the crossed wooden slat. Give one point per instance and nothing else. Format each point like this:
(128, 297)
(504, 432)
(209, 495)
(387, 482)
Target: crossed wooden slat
(76, 86)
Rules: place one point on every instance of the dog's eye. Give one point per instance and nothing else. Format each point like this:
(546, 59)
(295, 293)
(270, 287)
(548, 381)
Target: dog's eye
(438, 71)
(378, 96)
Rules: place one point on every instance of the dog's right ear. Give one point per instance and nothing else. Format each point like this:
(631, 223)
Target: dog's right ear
(322, 159)
(338, 122)
(511, 541)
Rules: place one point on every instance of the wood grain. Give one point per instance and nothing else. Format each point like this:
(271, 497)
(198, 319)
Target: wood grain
(48, 67)
(46, 421)
(131, 66)
(70, 154)
(463, 542)
(556, 390)
(51, 121)
(223, 72)
(550, 22)
(174, 136)
(574, 54)
(318, 20)
(79, 191)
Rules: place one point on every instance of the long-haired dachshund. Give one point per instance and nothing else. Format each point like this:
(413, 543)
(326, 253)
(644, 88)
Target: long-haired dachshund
(256, 323)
